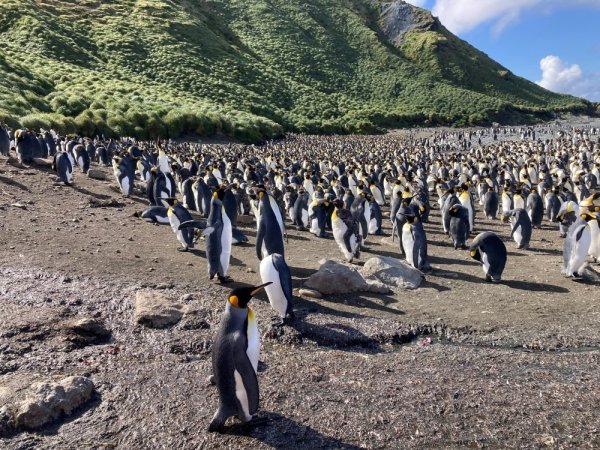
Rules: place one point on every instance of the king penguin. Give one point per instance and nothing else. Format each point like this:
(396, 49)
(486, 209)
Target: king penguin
(345, 231)
(414, 242)
(269, 237)
(521, 227)
(62, 165)
(235, 355)
(275, 272)
(459, 226)
(178, 215)
(577, 245)
(489, 250)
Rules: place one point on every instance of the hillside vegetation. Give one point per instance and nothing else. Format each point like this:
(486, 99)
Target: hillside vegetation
(250, 69)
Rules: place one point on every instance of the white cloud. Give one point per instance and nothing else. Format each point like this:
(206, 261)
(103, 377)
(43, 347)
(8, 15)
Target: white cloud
(419, 3)
(460, 16)
(559, 76)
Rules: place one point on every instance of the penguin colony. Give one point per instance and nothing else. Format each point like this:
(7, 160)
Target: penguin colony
(337, 187)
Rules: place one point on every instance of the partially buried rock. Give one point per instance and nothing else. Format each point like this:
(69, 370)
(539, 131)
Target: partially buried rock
(48, 401)
(335, 277)
(86, 331)
(392, 272)
(96, 174)
(154, 310)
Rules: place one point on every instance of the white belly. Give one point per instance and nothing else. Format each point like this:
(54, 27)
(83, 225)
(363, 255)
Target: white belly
(518, 236)
(274, 291)
(226, 240)
(408, 243)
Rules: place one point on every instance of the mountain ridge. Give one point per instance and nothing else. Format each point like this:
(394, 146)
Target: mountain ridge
(250, 69)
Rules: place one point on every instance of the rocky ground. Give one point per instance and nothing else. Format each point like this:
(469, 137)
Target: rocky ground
(457, 363)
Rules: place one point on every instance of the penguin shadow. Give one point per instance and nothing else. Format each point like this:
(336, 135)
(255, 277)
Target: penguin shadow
(427, 283)
(367, 301)
(548, 251)
(304, 307)
(438, 243)
(458, 276)
(296, 237)
(302, 272)
(440, 260)
(533, 286)
(198, 252)
(337, 336)
(14, 183)
(84, 191)
(280, 432)
(236, 262)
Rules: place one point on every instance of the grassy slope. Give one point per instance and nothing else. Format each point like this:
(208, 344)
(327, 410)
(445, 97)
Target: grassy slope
(246, 68)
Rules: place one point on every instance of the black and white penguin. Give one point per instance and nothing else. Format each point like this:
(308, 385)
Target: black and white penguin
(567, 215)
(345, 231)
(375, 217)
(535, 208)
(235, 354)
(202, 196)
(81, 158)
(459, 226)
(490, 251)
(317, 217)
(275, 272)
(414, 241)
(450, 200)
(577, 245)
(124, 171)
(156, 214)
(4, 142)
(490, 202)
(269, 237)
(218, 238)
(553, 203)
(103, 156)
(63, 167)
(521, 228)
(358, 209)
(300, 211)
(178, 215)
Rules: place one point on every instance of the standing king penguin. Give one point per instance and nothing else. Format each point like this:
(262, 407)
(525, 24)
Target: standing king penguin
(235, 356)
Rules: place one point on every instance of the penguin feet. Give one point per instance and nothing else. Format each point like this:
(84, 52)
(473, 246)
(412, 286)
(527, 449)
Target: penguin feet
(225, 279)
(488, 278)
(182, 250)
(211, 380)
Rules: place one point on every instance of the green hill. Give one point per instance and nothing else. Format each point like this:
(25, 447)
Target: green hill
(250, 69)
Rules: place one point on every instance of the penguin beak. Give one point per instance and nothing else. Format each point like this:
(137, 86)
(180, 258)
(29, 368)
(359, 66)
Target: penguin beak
(257, 289)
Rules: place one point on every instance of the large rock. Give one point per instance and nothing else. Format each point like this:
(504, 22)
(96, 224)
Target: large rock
(392, 272)
(154, 310)
(47, 401)
(335, 277)
(86, 331)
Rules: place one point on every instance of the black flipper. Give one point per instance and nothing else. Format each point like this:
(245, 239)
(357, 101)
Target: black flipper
(260, 237)
(192, 224)
(244, 367)
(285, 277)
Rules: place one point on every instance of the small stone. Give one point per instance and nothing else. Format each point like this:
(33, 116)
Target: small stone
(250, 270)
(311, 293)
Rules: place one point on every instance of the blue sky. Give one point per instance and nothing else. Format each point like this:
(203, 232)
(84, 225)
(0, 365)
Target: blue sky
(555, 43)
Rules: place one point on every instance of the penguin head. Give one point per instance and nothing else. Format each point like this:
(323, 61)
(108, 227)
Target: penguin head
(588, 216)
(240, 297)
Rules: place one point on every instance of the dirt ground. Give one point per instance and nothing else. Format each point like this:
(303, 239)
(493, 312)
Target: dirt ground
(457, 363)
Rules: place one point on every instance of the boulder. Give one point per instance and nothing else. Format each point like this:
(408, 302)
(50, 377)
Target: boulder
(392, 273)
(96, 174)
(336, 277)
(47, 401)
(154, 310)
